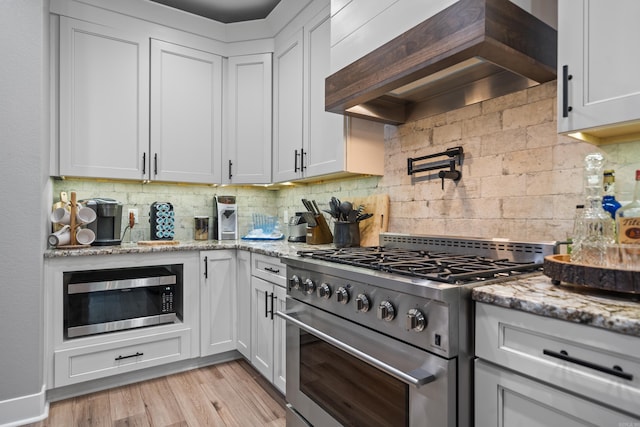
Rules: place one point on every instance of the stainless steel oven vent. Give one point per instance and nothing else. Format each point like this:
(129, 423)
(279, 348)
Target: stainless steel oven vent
(490, 248)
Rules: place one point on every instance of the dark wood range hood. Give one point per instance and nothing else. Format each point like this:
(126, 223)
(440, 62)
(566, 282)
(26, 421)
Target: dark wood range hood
(469, 52)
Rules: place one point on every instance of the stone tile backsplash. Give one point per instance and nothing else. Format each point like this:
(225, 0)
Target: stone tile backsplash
(520, 180)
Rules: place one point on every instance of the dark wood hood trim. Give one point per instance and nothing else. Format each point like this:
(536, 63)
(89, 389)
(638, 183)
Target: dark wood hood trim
(496, 30)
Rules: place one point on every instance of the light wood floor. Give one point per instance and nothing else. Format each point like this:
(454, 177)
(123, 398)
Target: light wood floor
(228, 394)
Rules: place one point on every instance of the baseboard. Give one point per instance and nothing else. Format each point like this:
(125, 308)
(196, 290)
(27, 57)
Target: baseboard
(24, 409)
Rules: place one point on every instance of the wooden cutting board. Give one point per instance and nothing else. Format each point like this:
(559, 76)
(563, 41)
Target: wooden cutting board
(370, 229)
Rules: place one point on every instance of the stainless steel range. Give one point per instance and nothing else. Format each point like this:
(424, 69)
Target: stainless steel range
(383, 336)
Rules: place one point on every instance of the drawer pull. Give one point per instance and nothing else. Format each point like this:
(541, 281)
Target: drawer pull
(129, 356)
(272, 270)
(563, 355)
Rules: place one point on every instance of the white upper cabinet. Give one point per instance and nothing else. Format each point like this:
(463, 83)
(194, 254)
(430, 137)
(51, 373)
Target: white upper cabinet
(598, 69)
(104, 109)
(308, 141)
(186, 114)
(247, 146)
(287, 108)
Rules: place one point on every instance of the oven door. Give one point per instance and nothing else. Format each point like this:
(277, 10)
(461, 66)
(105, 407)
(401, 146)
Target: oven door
(340, 373)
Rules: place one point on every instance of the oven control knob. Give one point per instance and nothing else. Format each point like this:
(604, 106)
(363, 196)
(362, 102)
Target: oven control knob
(342, 295)
(294, 282)
(308, 287)
(416, 320)
(386, 311)
(362, 303)
(324, 291)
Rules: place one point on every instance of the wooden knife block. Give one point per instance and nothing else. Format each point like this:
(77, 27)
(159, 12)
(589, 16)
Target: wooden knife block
(320, 234)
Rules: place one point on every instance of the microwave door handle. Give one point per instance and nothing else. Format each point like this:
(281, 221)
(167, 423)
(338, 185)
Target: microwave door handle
(416, 378)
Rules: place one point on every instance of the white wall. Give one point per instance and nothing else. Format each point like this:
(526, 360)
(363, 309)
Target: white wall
(24, 129)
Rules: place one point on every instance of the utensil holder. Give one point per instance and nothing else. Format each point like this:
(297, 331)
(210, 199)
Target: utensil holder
(320, 234)
(346, 234)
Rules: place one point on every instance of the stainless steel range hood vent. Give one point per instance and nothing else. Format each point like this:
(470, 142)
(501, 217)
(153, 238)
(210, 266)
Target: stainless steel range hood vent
(472, 51)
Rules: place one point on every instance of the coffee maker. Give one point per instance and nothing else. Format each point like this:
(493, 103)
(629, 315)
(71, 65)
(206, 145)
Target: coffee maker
(108, 224)
(225, 218)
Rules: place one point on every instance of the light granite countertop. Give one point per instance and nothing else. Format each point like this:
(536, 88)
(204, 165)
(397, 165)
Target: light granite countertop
(267, 247)
(537, 295)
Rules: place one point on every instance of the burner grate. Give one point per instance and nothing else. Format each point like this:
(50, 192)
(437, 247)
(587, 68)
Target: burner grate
(433, 265)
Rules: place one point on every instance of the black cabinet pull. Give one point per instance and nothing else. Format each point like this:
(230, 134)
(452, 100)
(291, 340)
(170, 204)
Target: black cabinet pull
(564, 355)
(302, 166)
(566, 108)
(272, 270)
(155, 164)
(230, 175)
(129, 356)
(206, 267)
(266, 309)
(295, 161)
(273, 297)
(144, 163)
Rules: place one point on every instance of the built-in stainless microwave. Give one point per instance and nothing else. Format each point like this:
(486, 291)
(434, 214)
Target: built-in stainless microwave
(101, 301)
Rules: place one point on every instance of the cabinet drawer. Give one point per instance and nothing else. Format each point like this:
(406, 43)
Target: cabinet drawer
(585, 360)
(269, 268)
(521, 401)
(80, 364)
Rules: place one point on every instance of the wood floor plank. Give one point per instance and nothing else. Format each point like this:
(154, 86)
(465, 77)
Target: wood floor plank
(92, 410)
(161, 406)
(196, 408)
(229, 394)
(126, 402)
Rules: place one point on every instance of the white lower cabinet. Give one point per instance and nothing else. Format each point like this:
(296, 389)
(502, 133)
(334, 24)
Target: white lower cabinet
(268, 330)
(217, 301)
(75, 360)
(243, 293)
(538, 371)
(86, 363)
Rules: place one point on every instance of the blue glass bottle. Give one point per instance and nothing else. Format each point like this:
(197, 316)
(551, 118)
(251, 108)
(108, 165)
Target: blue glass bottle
(609, 202)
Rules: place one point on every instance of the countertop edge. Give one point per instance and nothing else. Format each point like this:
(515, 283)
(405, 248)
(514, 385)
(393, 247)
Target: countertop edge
(277, 248)
(537, 295)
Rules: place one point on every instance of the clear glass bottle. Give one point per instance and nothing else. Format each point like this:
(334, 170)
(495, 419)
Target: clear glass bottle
(599, 227)
(628, 218)
(609, 202)
(574, 248)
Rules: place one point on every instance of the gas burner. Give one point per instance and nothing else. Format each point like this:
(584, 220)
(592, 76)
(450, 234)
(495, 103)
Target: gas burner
(433, 265)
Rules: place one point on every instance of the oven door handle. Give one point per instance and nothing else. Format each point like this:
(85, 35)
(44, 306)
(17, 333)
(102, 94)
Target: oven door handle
(417, 377)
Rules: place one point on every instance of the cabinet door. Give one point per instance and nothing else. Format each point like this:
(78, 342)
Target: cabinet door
(262, 326)
(279, 340)
(504, 398)
(287, 109)
(217, 302)
(186, 114)
(324, 139)
(247, 146)
(243, 311)
(593, 42)
(104, 113)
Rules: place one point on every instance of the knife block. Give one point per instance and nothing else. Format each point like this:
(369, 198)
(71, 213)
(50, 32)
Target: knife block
(320, 234)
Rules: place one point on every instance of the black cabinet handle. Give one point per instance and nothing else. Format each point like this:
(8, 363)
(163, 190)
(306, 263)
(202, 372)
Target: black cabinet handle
(206, 267)
(155, 164)
(564, 355)
(295, 161)
(144, 163)
(302, 166)
(566, 108)
(129, 356)
(273, 298)
(230, 175)
(266, 309)
(272, 270)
